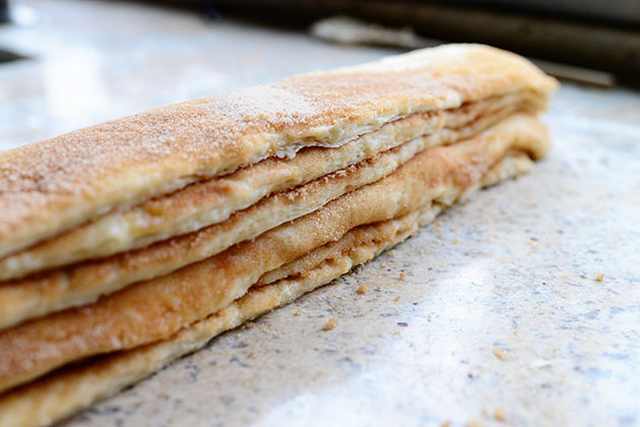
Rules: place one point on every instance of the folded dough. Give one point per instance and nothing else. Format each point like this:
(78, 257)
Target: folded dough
(214, 201)
(156, 309)
(83, 283)
(129, 244)
(68, 391)
(53, 186)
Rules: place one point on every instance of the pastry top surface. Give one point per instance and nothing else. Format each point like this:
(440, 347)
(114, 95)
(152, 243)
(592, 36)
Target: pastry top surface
(56, 184)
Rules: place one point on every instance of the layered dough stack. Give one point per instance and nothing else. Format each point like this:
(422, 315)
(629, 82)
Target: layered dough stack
(127, 245)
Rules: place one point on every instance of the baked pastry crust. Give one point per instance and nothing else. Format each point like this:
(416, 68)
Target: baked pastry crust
(156, 309)
(129, 244)
(55, 185)
(214, 201)
(83, 283)
(68, 391)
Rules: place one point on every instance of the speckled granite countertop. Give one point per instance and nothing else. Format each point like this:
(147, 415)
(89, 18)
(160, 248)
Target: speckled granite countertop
(498, 318)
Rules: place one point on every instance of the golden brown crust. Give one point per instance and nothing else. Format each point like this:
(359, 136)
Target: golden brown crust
(198, 290)
(63, 393)
(213, 201)
(514, 164)
(54, 185)
(366, 235)
(31, 297)
(82, 284)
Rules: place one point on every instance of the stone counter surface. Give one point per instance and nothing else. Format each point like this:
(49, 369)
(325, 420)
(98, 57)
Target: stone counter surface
(493, 315)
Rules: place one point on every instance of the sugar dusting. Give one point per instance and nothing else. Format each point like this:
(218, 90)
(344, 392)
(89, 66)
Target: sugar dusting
(270, 103)
(71, 178)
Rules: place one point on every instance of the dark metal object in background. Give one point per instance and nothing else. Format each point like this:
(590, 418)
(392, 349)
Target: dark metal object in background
(8, 56)
(5, 18)
(612, 11)
(205, 8)
(5, 55)
(598, 45)
(4, 11)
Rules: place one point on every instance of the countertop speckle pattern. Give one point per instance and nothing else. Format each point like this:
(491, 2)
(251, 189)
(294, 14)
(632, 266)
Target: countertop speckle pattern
(492, 315)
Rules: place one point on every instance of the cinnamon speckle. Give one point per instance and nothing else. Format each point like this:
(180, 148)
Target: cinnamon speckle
(499, 354)
(329, 325)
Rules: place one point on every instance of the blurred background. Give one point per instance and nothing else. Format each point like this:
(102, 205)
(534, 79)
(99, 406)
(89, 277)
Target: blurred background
(597, 34)
(66, 64)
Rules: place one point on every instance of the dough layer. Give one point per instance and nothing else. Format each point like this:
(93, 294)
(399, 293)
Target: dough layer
(68, 391)
(156, 309)
(127, 245)
(50, 187)
(214, 201)
(84, 283)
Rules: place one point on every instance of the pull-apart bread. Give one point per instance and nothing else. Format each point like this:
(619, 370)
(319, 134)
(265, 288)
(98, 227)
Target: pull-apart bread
(129, 244)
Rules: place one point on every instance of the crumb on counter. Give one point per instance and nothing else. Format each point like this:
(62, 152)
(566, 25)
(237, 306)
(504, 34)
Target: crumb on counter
(499, 354)
(402, 275)
(474, 423)
(329, 325)
(600, 277)
(362, 289)
(499, 415)
(446, 424)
